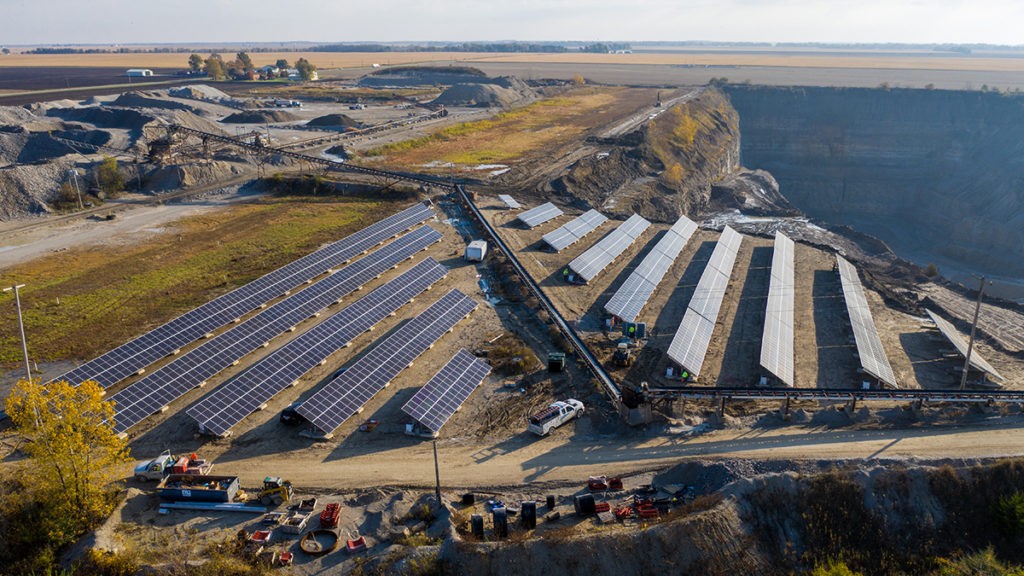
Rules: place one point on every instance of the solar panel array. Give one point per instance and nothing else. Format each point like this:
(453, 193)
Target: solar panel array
(589, 264)
(951, 334)
(192, 369)
(574, 231)
(438, 400)
(690, 344)
(777, 342)
(130, 358)
(345, 396)
(536, 216)
(869, 345)
(244, 394)
(510, 202)
(632, 296)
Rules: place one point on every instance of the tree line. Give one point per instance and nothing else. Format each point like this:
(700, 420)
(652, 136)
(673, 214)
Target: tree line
(242, 67)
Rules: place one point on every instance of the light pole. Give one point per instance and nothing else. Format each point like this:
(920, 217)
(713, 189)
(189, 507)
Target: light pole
(74, 180)
(21, 327)
(974, 326)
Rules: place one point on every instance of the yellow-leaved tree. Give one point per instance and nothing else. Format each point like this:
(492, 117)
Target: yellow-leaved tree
(72, 450)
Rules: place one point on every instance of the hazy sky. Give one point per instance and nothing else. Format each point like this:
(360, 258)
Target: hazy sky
(143, 21)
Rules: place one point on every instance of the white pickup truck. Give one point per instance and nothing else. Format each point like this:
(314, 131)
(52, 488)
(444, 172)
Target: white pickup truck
(554, 416)
(166, 464)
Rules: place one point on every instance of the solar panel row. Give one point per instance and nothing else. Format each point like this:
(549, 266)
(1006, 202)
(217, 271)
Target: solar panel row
(632, 296)
(589, 264)
(192, 369)
(574, 231)
(437, 401)
(536, 216)
(244, 394)
(690, 344)
(510, 202)
(951, 334)
(131, 357)
(777, 341)
(345, 396)
(869, 345)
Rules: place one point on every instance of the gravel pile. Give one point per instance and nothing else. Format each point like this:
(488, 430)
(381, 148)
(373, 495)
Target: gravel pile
(504, 93)
(334, 121)
(260, 117)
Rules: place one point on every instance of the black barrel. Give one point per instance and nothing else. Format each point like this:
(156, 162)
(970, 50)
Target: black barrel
(468, 499)
(476, 523)
(528, 512)
(584, 504)
(550, 502)
(500, 523)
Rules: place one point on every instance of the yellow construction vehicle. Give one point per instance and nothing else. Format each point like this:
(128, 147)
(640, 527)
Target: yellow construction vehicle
(275, 491)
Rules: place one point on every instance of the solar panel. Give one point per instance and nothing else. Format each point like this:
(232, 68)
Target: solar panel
(536, 216)
(689, 346)
(438, 400)
(192, 369)
(245, 393)
(632, 296)
(345, 396)
(777, 341)
(130, 358)
(589, 264)
(951, 334)
(869, 346)
(510, 202)
(574, 231)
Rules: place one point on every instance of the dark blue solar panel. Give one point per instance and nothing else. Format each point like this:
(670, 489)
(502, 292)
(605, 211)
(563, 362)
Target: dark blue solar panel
(130, 358)
(440, 398)
(193, 368)
(245, 393)
(345, 395)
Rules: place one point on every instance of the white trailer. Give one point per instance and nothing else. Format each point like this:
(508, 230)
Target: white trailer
(476, 251)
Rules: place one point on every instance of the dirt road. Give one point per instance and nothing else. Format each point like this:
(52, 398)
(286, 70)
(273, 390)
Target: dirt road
(525, 458)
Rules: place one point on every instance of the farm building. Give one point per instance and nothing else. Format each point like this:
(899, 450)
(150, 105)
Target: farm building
(138, 72)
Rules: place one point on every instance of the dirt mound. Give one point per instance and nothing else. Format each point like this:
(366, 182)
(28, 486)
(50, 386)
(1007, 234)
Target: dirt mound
(198, 92)
(260, 117)
(755, 193)
(12, 142)
(15, 115)
(666, 167)
(504, 93)
(189, 120)
(145, 100)
(334, 121)
(27, 189)
(423, 76)
(181, 176)
(103, 117)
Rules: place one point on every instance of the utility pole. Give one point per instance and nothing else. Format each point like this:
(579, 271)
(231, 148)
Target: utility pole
(78, 191)
(437, 475)
(21, 327)
(974, 327)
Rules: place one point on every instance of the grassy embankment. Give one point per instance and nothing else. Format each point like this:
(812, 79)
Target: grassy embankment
(506, 137)
(85, 301)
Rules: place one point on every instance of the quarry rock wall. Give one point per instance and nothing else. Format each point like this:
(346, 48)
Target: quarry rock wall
(938, 175)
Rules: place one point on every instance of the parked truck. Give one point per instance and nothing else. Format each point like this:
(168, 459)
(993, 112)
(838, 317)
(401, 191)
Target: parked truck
(167, 463)
(554, 416)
